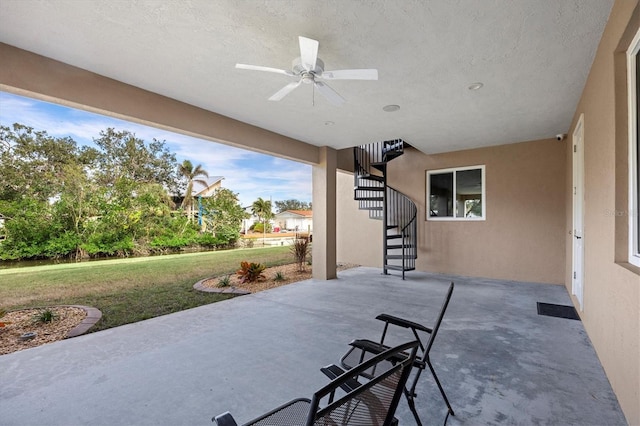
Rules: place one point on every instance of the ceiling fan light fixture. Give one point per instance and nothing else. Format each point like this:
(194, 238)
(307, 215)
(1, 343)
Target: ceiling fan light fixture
(391, 108)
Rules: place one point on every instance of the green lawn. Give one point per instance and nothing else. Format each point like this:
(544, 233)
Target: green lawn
(129, 290)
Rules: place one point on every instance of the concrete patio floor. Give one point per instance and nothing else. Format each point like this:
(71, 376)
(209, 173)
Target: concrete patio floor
(499, 361)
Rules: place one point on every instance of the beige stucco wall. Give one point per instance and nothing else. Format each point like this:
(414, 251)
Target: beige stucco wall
(359, 239)
(523, 234)
(611, 312)
(522, 238)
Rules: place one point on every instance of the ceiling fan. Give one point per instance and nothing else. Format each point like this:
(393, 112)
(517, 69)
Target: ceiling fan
(309, 69)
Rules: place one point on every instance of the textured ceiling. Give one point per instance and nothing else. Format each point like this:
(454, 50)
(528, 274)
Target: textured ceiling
(532, 56)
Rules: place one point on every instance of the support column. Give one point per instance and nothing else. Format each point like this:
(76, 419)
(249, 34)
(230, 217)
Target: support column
(324, 215)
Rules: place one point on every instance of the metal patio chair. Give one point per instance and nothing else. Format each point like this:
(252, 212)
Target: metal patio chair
(374, 392)
(362, 349)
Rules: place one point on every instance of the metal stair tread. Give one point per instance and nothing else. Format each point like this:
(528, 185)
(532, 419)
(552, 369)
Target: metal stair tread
(370, 188)
(399, 256)
(399, 246)
(372, 177)
(369, 198)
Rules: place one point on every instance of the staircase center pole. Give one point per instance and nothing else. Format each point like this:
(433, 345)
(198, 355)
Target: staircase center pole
(384, 221)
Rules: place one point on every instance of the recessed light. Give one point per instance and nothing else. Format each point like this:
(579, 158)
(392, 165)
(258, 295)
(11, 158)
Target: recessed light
(329, 123)
(475, 86)
(390, 108)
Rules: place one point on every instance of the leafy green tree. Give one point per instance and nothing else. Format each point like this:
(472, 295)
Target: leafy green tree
(32, 162)
(285, 205)
(262, 209)
(191, 175)
(35, 171)
(124, 156)
(224, 215)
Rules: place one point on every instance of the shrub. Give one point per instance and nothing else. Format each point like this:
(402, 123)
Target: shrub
(108, 243)
(171, 241)
(258, 227)
(279, 277)
(208, 240)
(300, 251)
(224, 281)
(250, 272)
(45, 316)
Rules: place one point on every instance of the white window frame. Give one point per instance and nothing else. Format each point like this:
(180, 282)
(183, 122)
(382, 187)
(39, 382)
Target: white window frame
(454, 170)
(634, 202)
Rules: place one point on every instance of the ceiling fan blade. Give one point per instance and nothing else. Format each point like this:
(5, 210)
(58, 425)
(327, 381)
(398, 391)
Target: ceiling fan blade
(285, 91)
(260, 68)
(308, 53)
(361, 74)
(331, 95)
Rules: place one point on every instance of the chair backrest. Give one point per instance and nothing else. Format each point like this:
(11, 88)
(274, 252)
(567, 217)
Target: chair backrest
(436, 325)
(374, 402)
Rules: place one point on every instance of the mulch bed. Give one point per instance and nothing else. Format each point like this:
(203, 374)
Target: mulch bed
(289, 272)
(21, 322)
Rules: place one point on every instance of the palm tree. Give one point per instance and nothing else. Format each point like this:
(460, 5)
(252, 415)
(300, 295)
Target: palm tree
(262, 209)
(192, 174)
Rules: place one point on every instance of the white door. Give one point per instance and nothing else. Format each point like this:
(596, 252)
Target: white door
(578, 212)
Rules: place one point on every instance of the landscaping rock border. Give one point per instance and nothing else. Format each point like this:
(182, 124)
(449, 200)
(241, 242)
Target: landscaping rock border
(93, 316)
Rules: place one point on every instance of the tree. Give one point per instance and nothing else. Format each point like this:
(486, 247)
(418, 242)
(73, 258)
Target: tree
(285, 205)
(224, 215)
(123, 155)
(262, 209)
(191, 174)
(32, 162)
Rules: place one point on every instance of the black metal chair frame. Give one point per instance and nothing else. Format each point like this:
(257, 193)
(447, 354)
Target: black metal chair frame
(368, 348)
(302, 411)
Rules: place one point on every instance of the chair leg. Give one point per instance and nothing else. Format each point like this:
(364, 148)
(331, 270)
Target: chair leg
(412, 406)
(440, 387)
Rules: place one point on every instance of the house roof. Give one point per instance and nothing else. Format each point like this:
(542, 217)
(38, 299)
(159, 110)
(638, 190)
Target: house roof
(533, 58)
(211, 181)
(301, 213)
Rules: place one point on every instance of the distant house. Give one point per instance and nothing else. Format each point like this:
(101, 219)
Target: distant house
(295, 220)
(200, 191)
(213, 184)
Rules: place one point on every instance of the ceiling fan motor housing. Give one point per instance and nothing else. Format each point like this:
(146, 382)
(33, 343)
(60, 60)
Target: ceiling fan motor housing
(298, 69)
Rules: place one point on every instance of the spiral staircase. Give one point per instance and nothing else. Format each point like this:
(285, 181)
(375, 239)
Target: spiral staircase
(396, 211)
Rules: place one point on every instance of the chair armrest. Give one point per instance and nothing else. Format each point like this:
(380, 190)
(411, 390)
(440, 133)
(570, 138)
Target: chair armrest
(224, 419)
(332, 371)
(403, 322)
(293, 412)
(368, 346)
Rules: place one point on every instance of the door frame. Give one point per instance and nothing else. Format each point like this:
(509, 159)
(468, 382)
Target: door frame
(577, 233)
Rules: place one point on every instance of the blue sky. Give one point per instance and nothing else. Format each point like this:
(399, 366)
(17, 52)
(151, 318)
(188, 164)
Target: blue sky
(249, 174)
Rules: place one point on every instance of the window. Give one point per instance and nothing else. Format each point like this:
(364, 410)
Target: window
(633, 63)
(456, 194)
